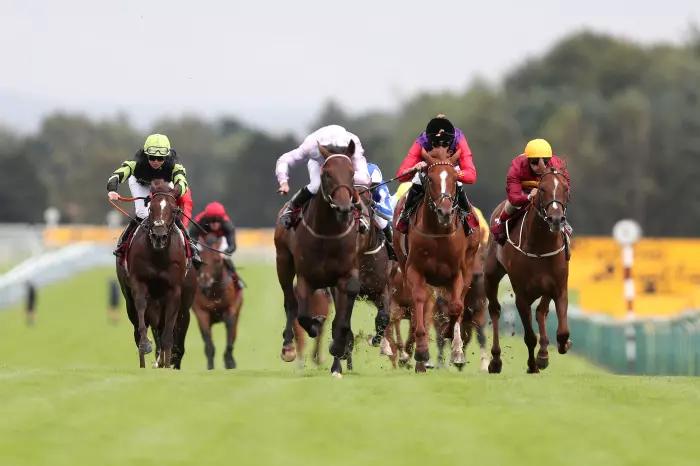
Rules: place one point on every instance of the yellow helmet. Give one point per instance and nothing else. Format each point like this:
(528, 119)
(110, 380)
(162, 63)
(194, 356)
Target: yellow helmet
(538, 148)
(157, 145)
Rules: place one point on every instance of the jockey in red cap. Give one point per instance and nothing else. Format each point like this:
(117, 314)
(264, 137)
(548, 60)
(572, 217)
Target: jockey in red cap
(214, 219)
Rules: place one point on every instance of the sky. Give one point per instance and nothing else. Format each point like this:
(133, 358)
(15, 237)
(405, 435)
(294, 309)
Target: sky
(274, 63)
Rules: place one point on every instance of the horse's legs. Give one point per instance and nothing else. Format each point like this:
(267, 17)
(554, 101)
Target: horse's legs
(204, 322)
(312, 324)
(477, 301)
(300, 343)
(456, 312)
(172, 309)
(346, 292)
(183, 323)
(493, 273)
(417, 285)
(440, 321)
(541, 315)
(561, 304)
(382, 302)
(140, 294)
(231, 322)
(530, 338)
(285, 275)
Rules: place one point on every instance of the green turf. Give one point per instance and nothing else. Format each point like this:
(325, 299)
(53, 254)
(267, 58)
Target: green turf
(71, 393)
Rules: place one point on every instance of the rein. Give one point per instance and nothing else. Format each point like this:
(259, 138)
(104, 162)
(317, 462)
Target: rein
(520, 241)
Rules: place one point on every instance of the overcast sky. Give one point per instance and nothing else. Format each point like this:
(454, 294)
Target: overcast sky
(274, 63)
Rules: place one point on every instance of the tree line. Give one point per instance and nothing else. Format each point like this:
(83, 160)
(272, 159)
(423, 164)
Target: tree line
(625, 116)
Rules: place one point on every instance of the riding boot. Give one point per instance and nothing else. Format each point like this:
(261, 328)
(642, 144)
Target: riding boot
(237, 280)
(465, 208)
(196, 260)
(498, 228)
(412, 198)
(290, 216)
(389, 241)
(126, 234)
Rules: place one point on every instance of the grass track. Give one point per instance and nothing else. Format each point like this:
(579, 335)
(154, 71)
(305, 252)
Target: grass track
(71, 393)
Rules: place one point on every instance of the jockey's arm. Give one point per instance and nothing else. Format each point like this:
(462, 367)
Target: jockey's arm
(467, 173)
(359, 163)
(288, 160)
(230, 235)
(120, 175)
(180, 178)
(516, 196)
(412, 157)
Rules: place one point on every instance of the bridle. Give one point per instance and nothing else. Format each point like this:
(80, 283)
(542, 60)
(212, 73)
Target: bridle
(542, 209)
(432, 203)
(149, 225)
(328, 196)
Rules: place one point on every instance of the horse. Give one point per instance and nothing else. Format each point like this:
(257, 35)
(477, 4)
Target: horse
(375, 266)
(439, 253)
(319, 305)
(537, 267)
(322, 252)
(157, 280)
(217, 300)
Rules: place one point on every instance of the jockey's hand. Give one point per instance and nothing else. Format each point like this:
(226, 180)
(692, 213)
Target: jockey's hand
(419, 166)
(113, 195)
(532, 194)
(284, 188)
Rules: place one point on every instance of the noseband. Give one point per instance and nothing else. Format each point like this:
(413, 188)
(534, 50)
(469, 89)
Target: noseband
(328, 197)
(159, 223)
(432, 203)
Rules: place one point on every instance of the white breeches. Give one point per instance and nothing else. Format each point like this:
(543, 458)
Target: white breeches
(314, 176)
(380, 221)
(138, 190)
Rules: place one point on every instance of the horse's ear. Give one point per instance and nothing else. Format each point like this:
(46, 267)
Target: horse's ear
(350, 151)
(324, 152)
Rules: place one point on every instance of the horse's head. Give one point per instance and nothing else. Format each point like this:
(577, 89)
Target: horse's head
(442, 182)
(552, 199)
(162, 210)
(337, 174)
(212, 263)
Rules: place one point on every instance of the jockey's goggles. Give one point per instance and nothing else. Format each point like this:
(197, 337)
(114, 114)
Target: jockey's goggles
(441, 143)
(156, 158)
(155, 150)
(536, 160)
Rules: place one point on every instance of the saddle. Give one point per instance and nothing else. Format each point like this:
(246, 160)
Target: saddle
(126, 246)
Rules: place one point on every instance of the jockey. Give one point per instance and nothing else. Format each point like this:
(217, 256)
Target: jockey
(439, 132)
(334, 136)
(383, 211)
(528, 166)
(214, 219)
(155, 161)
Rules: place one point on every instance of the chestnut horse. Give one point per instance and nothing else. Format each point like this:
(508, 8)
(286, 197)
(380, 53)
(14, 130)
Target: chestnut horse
(157, 281)
(537, 267)
(319, 305)
(440, 253)
(322, 252)
(217, 300)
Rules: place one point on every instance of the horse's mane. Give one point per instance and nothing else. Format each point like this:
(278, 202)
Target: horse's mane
(160, 186)
(440, 153)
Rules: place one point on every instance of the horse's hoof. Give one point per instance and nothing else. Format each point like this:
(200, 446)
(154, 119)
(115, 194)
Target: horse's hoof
(542, 362)
(422, 356)
(210, 365)
(420, 367)
(533, 370)
(484, 364)
(376, 340)
(404, 357)
(336, 375)
(230, 363)
(429, 365)
(458, 359)
(289, 354)
(147, 348)
(385, 348)
(495, 366)
(563, 348)
(459, 365)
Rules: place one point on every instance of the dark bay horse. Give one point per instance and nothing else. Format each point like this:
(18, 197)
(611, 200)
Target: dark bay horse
(319, 305)
(157, 282)
(534, 259)
(375, 266)
(217, 300)
(322, 252)
(440, 254)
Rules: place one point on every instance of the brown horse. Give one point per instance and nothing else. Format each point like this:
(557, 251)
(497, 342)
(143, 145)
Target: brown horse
(440, 254)
(157, 281)
(217, 300)
(534, 259)
(319, 305)
(322, 252)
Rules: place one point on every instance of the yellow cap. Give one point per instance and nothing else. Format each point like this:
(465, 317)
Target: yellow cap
(538, 148)
(156, 140)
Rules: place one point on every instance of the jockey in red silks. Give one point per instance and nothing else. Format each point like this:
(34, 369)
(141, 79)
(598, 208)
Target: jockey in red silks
(440, 132)
(185, 203)
(214, 219)
(526, 167)
(157, 160)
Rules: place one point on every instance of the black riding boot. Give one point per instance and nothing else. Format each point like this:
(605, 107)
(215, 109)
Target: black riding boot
(289, 217)
(196, 260)
(389, 240)
(465, 208)
(412, 198)
(238, 281)
(126, 234)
